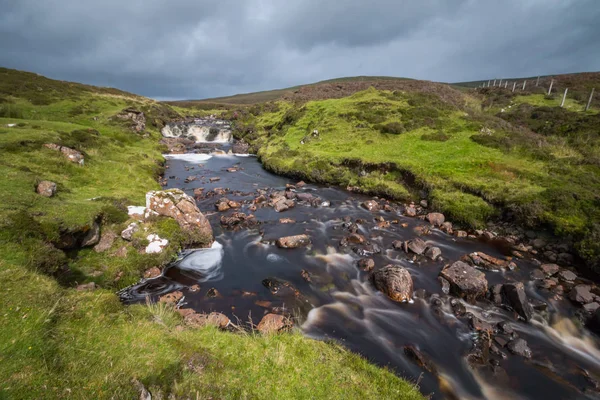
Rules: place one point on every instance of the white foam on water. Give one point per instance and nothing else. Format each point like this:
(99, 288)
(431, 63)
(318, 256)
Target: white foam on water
(189, 157)
(207, 262)
(274, 258)
(244, 155)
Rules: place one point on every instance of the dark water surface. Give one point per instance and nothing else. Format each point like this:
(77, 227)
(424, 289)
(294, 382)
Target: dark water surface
(340, 303)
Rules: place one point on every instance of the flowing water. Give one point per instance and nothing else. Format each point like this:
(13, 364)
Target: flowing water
(339, 302)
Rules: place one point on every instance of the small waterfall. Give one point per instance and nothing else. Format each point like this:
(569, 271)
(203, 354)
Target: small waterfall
(200, 130)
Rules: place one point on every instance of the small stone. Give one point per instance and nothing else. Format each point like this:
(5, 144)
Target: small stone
(581, 294)
(286, 221)
(436, 219)
(86, 287)
(293, 242)
(591, 307)
(273, 323)
(461, 234)
(410, 211)
(567, 276)
(213, 293)
(537, 275)
(549, 269)
(46, 188)
(417, 246)
(128, 232)
(305, 275)
(171, 298)
(371, 205)
(366, 264)
(519, 347)
(152, 272)
(433, 253)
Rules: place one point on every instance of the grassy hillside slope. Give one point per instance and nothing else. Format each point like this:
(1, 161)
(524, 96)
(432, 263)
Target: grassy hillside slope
(473, 165)
(58, 342)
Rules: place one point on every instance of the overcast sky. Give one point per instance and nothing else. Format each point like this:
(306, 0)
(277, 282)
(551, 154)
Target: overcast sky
(182, 49)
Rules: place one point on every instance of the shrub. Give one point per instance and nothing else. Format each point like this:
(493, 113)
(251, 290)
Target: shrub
(394, 128)
(438, 136)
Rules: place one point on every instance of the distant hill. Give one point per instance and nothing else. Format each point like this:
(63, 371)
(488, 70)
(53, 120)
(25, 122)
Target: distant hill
(271, 95)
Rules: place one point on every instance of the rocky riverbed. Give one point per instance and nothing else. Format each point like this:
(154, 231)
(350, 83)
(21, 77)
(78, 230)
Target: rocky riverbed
(469, 314)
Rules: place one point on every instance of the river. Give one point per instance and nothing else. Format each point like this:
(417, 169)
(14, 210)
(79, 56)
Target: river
(340, 303)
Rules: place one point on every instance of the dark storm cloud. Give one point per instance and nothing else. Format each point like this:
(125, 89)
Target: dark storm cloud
(195, 49)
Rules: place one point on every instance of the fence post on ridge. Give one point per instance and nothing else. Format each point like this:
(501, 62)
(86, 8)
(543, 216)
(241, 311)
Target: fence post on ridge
(589, 103)
(564, 97)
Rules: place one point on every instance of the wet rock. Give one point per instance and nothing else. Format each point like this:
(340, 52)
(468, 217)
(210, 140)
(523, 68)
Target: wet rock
(370, 205)
(485, 261)
(422, 230)
(537, 275)
(593, 323)
(128, 232)
(519, 347)
(436, 219)
(214, 179)
(213, 293)
(106, 241)
(46, 188)
(477, 324)
(293, 242)
(495, 293)
(171, 298)
(92, 236)
(286, 221)
(538, 305)
(152, 273)
(458, 308)
(591, 307)
(366, 264)
(413, 354)
(581, 294)
(445, 285)
(240, 147)
(547, 284)
(433, 253)
(465, 281)
(394, 281)
(86, 287)
(515, 297)
(505, 327)
(237, 220)
(549, 269)
(410, 211)
(300, 184)
(417, 246)
(538, 243)
(280, 288)
(355, 238)
(282, 205)
(567, 276)
(423, 203)
(447, 227)
(174, 203)
(222, 205)
(461, 234)
(307, 197)
(305, 275)
(199, 320)
(398, 245)
(273, 323)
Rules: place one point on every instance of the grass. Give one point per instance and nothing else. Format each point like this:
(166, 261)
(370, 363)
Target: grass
(473, 165)
(57, 342)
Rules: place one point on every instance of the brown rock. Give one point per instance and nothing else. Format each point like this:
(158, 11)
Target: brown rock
(417, 246)
(567, 276)
(394, 281)
(436, 219)
(366, 264)
(171, 298)
(371, 205)
(293, 242)
(355, 238)
(199, 320)
(461, 234)
(581, 294)
(86, 287)
(286, 221)
(410, 211)
(433, 253)
(550, 269)
(222, 206)
(273, 323)
(465, 281)
(107, 239)
(46, 188)
(176, 204)
(121, 252)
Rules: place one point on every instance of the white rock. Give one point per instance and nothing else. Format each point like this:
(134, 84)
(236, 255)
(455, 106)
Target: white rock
(156, 244)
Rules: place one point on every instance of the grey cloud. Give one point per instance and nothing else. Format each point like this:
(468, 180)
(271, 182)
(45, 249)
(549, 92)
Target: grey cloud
(196, 49)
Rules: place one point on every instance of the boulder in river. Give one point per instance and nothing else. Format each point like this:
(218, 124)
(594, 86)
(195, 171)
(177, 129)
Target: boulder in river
(46, 188)
(549, 269)
(371, 205)
(433, 253)
(515, 297)
(436, 219)
(519, 347)
(394, 281)
(182, 208)
(417, 246)
(293, 242)
(273, 323)
(581, 294)
(465, 281)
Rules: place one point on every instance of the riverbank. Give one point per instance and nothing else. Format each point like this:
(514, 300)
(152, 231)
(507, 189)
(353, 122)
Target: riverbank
(473, 166)
(65, 332)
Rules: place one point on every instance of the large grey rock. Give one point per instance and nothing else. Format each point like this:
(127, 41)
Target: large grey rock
(394, 281)
(182, 208)
(465, 281)
(92, 237)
